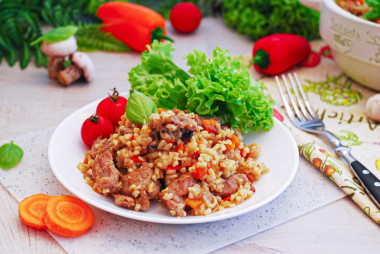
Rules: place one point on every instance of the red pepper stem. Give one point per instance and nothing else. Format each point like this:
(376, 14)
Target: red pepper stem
(261, 59)
(158, 34)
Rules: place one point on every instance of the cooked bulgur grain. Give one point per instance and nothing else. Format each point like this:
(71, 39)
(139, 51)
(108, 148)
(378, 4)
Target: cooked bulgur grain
(173, 159)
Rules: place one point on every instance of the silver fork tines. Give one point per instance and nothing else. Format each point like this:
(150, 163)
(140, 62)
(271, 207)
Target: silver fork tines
(304, 117)
(296, 103)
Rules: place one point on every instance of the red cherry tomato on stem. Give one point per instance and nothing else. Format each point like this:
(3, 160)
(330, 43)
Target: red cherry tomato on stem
(185, 17)
(95, 126)
(112, 107)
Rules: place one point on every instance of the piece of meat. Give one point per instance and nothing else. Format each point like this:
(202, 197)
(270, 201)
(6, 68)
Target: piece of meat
(174, 195)
(124, 201)
(105, 173)
(142, 202)
(140, 187)
(173, 127)
(231, 185)
(141, 177)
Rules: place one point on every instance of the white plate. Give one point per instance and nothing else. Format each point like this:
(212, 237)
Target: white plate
(279, 153)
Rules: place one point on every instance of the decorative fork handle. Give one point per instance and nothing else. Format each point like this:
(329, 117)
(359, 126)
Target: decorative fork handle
(368, 180)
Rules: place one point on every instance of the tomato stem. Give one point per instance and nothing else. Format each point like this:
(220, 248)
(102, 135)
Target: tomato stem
(94, 118)
(115, 95)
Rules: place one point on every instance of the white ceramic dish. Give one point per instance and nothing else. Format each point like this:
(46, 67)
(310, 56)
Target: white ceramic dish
(354, 42)
(66, 150)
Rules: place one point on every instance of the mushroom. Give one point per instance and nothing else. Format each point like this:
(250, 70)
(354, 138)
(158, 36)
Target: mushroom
(83, 61)
(57, 51)
(372, 108)
(81, 64)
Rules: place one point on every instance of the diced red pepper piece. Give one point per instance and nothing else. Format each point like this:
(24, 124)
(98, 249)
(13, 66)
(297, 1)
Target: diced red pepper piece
(173, 168)
(133, 138)
(242, 153)
(199, 172)
(210, 125)
(136, 159)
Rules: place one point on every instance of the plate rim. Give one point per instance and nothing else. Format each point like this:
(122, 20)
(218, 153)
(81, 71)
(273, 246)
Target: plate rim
(171, 219)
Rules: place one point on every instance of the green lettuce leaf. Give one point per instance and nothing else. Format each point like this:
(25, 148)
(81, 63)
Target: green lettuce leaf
(218, 86)
(159, 78)
(222, 87)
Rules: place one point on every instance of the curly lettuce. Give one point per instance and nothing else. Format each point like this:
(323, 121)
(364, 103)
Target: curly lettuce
(159, 78)
(217, 86)
(221, 87)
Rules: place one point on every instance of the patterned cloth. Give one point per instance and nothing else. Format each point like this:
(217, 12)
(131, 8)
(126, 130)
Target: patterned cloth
(340, 103)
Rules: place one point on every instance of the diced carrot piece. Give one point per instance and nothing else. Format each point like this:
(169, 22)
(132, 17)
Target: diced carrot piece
(68, 216)
(31, 210)
(85, 161)
(160, 110)
(180, 147)
(229, 147)
(210, 125)
(235, 141)
(193, 203)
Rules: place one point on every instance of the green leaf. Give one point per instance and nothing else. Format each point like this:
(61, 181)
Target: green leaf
(25, 56)
(66, 63)
(10, 155)
(11, 57)
(159, 78)
(38, 55)
(57, 34)
(139, 108)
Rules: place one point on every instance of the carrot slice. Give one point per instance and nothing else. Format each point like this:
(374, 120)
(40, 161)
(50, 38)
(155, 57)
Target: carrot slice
(68, 216)
(31, 210)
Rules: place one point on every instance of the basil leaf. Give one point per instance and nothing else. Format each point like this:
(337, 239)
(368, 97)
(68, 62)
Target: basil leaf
(139, 108)
(57, 34)
(10, 155)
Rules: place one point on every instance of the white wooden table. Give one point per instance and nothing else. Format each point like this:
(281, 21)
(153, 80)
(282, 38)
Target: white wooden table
(29, 101)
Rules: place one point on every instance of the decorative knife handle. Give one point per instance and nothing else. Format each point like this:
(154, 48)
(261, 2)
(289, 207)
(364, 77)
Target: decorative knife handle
(368, 180)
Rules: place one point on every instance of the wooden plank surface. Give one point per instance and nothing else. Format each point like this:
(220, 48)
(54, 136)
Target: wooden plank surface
(30, 101)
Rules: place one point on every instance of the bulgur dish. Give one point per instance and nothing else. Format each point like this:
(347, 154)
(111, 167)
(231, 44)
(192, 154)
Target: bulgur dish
(192, 165)
(362, 9)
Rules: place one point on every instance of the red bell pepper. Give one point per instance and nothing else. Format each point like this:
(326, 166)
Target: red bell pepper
(133, 24)
(277, 53)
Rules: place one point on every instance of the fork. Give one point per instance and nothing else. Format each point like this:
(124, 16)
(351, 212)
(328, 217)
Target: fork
(304, 117)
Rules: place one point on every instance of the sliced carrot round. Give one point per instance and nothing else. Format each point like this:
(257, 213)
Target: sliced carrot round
(31, 210)
(68, 216)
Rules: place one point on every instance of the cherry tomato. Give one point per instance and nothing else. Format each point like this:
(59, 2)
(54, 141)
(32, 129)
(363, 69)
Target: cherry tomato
(95, 126)
(185, 17)
(312, 60)
(112, 107)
